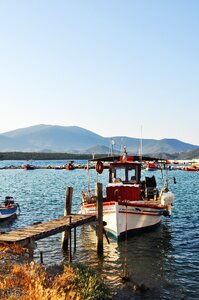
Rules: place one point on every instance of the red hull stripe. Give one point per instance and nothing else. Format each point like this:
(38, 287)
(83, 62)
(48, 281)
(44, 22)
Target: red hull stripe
(140, 213)
(132, 203)
(105, 212)
(104, 204)
(138, 203)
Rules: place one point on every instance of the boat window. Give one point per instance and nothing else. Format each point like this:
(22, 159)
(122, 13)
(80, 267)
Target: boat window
(126, 174)
(131, 175)
(120, 173)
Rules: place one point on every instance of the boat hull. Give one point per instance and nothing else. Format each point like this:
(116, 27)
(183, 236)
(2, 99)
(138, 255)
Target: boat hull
(6, 213)
(130, 219)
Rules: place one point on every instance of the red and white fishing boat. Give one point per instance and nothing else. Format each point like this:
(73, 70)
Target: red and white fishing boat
(70, 165)
(28, 167)
(152, 166)
(130, 205)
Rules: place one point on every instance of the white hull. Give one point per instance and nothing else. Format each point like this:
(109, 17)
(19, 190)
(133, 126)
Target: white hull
(6, 216)
(120, 218)
(8, 212)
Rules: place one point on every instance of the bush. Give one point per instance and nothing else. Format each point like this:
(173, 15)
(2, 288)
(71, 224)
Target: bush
(30, 281)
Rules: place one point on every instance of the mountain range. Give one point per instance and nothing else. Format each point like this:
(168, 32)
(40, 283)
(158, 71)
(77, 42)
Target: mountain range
(74, 139)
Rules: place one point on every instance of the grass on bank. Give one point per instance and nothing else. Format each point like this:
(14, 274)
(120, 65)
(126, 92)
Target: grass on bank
(20, 280)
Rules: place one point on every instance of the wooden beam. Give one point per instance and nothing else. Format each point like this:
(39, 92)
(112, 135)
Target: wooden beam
(99, 211)
(67, 211)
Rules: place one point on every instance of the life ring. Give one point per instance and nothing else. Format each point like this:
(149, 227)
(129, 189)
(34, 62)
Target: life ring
(99, 167)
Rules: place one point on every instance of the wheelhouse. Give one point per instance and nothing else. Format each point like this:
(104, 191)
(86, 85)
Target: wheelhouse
(124, 181)
(125, 172)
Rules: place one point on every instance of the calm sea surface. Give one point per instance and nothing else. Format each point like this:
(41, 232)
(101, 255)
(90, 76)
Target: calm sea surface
(166, 260)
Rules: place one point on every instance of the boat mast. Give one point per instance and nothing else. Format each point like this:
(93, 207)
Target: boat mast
(88, 169)
(112, 148)
(141, 146)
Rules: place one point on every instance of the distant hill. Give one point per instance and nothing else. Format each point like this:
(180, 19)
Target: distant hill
(74, 139)
(188, 154)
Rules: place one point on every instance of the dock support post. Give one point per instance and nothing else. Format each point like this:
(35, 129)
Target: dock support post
(67, 211)
(70, 241)
(75, 236)
(99, 215)
(41, 258)
(31, 247)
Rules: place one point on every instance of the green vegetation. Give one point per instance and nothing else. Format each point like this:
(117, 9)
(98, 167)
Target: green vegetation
(42, 156)
(70, 156)
(90, 286)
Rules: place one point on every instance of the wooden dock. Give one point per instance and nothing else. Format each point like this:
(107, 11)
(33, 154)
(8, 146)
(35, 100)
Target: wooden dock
(42, 230)
(27, 237)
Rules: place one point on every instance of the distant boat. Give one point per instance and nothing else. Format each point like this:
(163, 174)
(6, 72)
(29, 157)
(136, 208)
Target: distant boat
(151, 166)
(8, 208)
(70, 166)
(192, 168)
(130, 204)
(28, 167)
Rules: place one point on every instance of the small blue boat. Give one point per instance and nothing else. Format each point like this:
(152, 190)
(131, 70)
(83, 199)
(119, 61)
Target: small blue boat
(8, 208)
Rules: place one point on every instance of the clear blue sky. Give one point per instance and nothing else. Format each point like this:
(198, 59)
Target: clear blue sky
(110, 66)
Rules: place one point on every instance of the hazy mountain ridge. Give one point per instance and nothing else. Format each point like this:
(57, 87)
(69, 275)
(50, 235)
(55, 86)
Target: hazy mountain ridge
(74, 139)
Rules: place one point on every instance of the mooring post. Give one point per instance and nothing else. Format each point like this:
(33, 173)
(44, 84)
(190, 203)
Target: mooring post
(99, 215)
(67, 211)
(31, 247)
(75, 236)
(41, 258)
(70, 242)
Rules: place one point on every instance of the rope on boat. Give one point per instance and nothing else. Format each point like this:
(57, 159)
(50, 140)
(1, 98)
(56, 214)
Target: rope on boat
(126, 274)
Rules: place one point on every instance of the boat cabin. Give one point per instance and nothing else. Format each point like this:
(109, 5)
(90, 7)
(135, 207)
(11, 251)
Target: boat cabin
(124, 181)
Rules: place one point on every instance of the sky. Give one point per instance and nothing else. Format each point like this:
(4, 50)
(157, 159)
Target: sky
(114, 67)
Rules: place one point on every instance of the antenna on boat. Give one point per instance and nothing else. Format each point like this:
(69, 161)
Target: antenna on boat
(122, 146)
(124, 157)
(167, 177)
(112, 147)
(141, 145)
(88, 170)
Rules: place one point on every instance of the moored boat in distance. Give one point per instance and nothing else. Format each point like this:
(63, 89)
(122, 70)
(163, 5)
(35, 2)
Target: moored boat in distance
(131, 205)
(28, 167)
(8, 208)
(192, 168)
(70, 165)
(152, 166)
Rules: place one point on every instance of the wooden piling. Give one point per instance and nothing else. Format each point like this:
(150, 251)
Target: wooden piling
(67, 211)
(99, 215)
(31, 247)
(75, 237)
(41, 258)
(68, 202)
(70, 241)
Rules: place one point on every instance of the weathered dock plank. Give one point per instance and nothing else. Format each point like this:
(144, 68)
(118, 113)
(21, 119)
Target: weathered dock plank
(46, 229)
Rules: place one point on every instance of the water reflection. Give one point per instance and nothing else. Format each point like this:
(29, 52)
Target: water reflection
(6, 225)
(148, 260)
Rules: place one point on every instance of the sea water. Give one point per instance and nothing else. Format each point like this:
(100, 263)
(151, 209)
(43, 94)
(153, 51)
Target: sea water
(163, 262)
